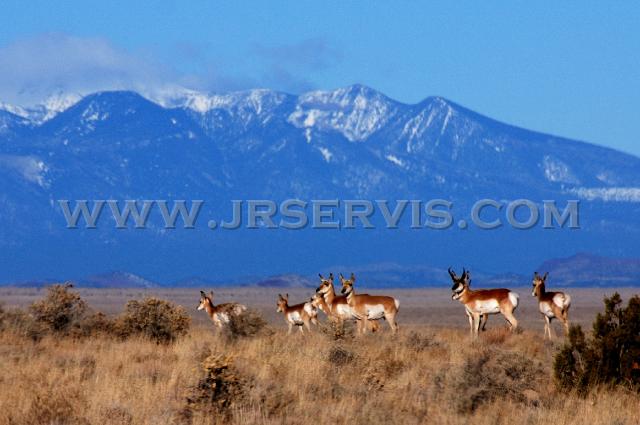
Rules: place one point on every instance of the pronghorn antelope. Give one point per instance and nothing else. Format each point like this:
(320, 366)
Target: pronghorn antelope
(317, 300)
(297, 315)
(483, 302)
(367, 307)
(551, 304)
(337, 305)
(221, 313)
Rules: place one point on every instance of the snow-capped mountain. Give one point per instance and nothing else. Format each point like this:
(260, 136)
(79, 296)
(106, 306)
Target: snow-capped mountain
(45, 110)
(349, 143)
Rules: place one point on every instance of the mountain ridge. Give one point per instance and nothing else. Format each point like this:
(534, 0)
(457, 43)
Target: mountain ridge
(579, 270)
(183, 98)
(349, 143)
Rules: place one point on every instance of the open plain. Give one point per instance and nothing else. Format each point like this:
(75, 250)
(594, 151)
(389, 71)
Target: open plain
(431, 372)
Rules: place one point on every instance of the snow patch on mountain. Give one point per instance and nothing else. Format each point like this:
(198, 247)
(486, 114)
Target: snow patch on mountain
(557, 171)
(31, 168)
(258, 101)
(57, 103)
(326, 154)
(446, 119)
(15, 110)
(46, 110)
(608, 194)
(394, 159)
(356, 112)
(415, 128)
(608, 178)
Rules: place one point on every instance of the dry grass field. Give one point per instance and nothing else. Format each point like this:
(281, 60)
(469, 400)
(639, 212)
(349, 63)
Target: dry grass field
(429, 373)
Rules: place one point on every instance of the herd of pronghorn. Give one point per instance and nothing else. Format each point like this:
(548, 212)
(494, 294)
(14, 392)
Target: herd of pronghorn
(367, 309)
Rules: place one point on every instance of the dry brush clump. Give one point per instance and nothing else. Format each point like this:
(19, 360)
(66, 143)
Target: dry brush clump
(63, 312)
(245, 325)
(153, 318)
(217, 393)
(491, 374)
(338, 330)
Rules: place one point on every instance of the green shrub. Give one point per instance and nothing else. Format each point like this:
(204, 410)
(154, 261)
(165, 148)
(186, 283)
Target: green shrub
(159, 320)
(610, 357)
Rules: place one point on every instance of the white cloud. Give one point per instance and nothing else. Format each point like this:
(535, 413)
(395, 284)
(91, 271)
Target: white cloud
(33, 68)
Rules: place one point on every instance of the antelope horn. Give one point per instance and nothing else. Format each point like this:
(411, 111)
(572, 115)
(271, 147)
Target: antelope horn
(451, 273)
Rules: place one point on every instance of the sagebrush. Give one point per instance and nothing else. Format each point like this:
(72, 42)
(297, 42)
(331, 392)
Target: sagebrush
(611, 356)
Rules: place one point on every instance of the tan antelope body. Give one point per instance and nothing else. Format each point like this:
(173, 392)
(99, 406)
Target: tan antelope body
(483, 302)
(297, 315)
(220, 314)
(367, 307)
(551, 304)
(337, 305)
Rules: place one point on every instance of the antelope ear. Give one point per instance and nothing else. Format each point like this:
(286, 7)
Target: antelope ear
(202, 294)
(211, 294)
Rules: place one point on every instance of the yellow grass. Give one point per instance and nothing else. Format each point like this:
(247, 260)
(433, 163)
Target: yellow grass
(288, 379)
(429, 373)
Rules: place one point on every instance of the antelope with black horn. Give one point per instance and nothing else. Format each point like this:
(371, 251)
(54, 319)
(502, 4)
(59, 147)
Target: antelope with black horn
(483, 301)
(337, 306)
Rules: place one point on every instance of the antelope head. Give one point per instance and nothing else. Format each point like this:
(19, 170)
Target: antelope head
(317, 301)
(347, 284)
(460, 284)
(325, 284)
(538, 283)
(205, 299)
(282, 303)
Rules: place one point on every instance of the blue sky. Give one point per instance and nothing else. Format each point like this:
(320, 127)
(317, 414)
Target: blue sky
(568, 68)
